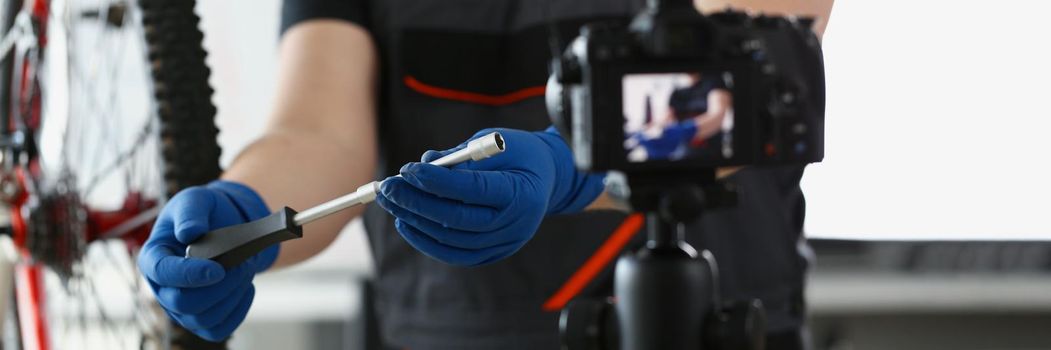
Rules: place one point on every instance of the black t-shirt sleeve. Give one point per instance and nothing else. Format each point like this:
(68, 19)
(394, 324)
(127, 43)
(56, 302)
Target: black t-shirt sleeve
(679, 98)
(295, 11)
(713, 81)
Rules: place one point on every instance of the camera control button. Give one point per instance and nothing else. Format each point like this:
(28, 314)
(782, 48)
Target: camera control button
(800, 148)
(799, 128)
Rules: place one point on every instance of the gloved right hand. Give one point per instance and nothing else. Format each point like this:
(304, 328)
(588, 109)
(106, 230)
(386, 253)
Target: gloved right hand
(199, 294)
(672, 138)
(482, 211)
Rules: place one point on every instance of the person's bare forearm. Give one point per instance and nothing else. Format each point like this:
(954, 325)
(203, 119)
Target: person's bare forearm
(298, 169)
(320, 141)
(708, 124)
(820, 10)
(711, 122)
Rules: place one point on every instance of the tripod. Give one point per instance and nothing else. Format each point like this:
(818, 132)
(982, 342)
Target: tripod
(666, 293)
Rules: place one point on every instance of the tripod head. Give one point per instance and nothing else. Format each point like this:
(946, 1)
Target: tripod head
(666, 292)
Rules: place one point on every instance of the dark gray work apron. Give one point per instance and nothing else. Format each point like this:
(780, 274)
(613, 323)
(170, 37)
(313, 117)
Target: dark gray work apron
(453, 67)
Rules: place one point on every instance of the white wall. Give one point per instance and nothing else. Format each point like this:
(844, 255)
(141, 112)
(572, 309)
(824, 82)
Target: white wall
(241, 38)
(938, 118)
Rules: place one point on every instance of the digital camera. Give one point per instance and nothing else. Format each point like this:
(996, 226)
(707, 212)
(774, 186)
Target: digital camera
(672, 88)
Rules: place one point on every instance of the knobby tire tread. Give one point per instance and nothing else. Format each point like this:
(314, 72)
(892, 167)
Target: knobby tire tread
(186, 113)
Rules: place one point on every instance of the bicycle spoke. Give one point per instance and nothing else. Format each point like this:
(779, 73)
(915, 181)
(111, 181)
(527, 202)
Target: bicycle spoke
(115, 70)
(121, 159)
(110, 116)
(82, 315)
(125, 267)
(124, 155)
(103, 144)
(106, 320)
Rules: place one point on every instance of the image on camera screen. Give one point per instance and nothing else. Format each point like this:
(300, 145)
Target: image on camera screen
(678, 116)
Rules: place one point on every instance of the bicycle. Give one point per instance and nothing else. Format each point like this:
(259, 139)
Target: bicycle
(105, 112)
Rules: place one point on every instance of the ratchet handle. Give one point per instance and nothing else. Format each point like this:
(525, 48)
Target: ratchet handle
(232, 245)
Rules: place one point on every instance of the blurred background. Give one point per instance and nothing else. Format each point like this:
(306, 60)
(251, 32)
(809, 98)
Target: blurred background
(930, 215)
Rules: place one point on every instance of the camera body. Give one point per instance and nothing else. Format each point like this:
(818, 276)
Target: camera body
(672, 89)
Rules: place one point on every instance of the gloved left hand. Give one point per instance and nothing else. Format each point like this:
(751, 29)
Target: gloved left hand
(197, 293)
(482, 211)
(672, 137)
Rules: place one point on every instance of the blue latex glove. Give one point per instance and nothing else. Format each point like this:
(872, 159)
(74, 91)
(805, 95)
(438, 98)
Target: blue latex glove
(482, 211)
(197, 293)
(672, 138)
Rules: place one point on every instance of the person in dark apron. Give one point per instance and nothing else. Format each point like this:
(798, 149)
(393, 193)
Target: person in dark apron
(369, 86)
(694, 125)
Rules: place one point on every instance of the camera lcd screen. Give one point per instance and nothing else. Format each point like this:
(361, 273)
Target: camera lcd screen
(678, 116)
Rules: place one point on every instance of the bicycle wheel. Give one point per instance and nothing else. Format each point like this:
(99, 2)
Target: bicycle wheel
(106, 111)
